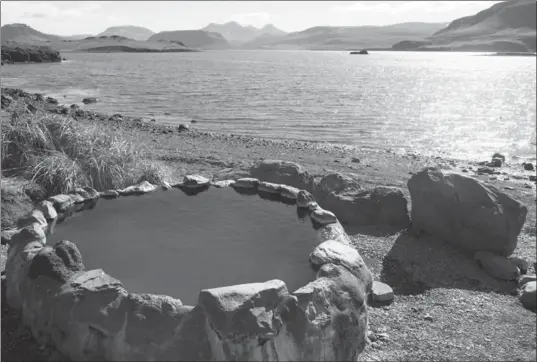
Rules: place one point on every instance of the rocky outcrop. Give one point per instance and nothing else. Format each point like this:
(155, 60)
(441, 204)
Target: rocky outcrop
(466, 212)
(283, 172)
(28, 53)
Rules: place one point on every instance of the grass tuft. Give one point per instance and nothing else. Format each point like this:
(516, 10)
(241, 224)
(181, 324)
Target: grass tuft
(59, 154)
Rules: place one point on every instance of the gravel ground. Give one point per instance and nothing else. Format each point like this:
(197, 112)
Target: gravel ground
(445, 307)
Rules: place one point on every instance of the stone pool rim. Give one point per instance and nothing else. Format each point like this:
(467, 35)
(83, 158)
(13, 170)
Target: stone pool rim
(333, 244)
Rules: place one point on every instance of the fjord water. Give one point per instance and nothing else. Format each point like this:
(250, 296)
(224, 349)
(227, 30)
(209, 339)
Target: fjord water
(463, 105)
(172, 244)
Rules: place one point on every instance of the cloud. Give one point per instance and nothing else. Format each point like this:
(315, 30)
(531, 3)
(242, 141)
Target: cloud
(20, 11)
(400, 7)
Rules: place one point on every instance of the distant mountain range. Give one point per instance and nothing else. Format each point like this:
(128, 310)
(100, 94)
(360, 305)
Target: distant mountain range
(508, 26)
(505, 27)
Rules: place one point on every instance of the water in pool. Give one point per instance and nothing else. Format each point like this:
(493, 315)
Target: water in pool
(171, 243)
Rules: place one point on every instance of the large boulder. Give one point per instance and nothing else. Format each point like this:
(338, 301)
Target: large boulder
(58, 262)
(465, 211)
(326, 320)
(283, 172)
(241, 318)
(382, 205)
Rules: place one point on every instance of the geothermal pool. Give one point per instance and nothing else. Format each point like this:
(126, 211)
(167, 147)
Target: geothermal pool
(171, 243)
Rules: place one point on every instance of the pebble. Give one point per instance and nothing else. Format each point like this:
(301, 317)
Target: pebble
(428, 318)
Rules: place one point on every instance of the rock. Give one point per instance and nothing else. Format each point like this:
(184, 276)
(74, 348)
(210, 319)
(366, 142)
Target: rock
(485, 170)
(6, 101)
(48, 210)
(35, 216)
(381, 292)
(58, 262)
(246, 183)
(183, 127)
(336, 183)
(528, 295)
(428, 318)
(7, 235)
(241, 316)
(289, 192)
(269, 187)
(334, 252)
(62, 202)
(465, 212)
(305, 200)
(496, 162)
(381, 205)
(31, 108)
(498, 155)
(355, 160)
(528, 166)
(165, 186)
(523, 279)
(520, 263)
(142, 188)
(328, 315)
(532, 178)
(323, 217)
(283, 172)
(194, 181)
(89, 100)
(51, 100)
(193, 121)
(109, 194)
(496, 266)
(223, 183)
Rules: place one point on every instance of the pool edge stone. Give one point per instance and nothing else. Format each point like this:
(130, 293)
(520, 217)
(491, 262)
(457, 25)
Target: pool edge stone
(277, 335)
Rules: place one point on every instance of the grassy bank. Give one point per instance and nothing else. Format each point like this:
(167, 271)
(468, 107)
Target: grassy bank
(445, 308)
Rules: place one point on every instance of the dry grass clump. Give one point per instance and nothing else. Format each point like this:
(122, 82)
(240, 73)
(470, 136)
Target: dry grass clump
(59, 153)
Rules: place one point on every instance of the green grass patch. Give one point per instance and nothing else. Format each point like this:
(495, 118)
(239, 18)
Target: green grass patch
(59, 153)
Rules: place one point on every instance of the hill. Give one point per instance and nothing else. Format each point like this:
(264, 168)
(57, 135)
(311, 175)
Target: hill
(128, 31)
(29, 54)
(508, 26)
(192, 39)
(239, 34)
(347, 37)
(23, 34)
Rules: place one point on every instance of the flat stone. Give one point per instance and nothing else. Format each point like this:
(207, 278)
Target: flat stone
(246, 183)
(526, 279)
(528, 295)
(497, 266)
(304, 199)
(165, 186)
(83, 193)
(223, 183)
(92, 194)
(283, 172)
(269, 187)
(141, 188)
(289, 192)
(79, 199)
(194, 181)
(334, 232)
(48, 210)
(465, 212)
(323, 216)
(381, 292)
(62, 202)
(334, 252)
(109, 194)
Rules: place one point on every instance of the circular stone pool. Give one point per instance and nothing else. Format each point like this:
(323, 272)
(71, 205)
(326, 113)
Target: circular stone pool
(172, 243)
(243, 257)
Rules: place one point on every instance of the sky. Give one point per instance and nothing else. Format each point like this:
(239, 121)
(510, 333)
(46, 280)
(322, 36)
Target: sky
(93, 17)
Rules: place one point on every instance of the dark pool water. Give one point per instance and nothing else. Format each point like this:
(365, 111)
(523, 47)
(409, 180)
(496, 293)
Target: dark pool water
(175, 244)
